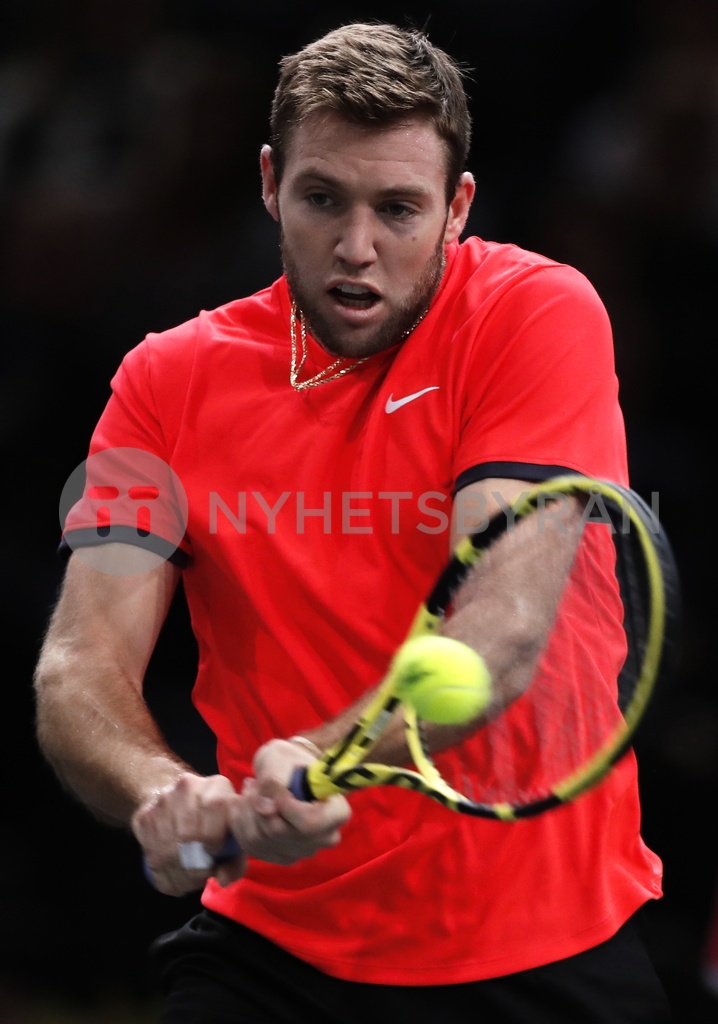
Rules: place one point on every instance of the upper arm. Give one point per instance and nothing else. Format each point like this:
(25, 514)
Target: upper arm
(479, 502)
(108, 619)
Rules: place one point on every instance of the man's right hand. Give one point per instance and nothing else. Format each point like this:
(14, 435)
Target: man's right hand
(195, 808)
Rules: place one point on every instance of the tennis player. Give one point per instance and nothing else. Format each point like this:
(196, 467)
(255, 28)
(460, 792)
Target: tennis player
(321, 444)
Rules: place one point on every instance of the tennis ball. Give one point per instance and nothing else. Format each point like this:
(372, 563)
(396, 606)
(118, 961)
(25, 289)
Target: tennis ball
(444, 680)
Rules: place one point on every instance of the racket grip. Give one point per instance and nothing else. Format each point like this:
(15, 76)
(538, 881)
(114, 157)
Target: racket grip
(195, 856)
(299, 785)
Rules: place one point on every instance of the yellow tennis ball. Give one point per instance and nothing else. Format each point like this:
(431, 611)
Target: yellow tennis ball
(445, 680)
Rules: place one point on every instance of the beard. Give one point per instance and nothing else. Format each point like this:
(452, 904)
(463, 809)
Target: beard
(400, 322)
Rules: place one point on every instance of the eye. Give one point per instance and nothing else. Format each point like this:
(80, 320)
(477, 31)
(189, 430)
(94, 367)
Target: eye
(319, 199)
(398, 211)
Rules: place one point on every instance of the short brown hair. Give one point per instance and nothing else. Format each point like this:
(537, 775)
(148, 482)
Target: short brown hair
(373, 74)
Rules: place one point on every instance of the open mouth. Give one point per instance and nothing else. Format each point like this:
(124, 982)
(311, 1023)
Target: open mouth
(354, 296)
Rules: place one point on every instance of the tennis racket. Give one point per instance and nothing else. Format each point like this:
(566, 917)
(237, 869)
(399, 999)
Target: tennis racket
(566, 731)
(563, 734)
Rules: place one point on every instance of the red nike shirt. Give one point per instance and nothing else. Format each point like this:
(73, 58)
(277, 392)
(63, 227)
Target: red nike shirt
(315, 523)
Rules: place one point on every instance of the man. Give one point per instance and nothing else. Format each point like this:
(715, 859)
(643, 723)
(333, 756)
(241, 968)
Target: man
(331, 437)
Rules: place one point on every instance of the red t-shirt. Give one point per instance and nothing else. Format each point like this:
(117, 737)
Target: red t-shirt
(316, 522)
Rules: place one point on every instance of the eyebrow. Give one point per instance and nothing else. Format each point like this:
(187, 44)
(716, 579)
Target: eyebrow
(408, 191)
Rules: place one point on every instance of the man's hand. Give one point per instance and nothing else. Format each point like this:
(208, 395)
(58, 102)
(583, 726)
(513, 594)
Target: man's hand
(273, 825)
(193, 809)
(265, 819)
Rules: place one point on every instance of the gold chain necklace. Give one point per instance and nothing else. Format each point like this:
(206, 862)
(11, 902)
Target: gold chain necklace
(335, 369)
(331, 372)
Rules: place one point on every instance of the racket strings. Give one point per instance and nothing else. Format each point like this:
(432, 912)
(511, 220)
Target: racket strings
(569, 711)
(631, 575)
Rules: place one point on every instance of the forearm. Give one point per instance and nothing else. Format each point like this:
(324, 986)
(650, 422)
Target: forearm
(391, 746)
(100, 738)
(508, 604)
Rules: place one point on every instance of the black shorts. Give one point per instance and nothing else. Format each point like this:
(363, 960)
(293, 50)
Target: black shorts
(213, 971)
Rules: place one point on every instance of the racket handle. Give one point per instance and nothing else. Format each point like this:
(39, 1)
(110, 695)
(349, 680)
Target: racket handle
(195, 857)
(299, 785)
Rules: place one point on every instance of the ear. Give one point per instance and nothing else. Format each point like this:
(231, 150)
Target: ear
(269, 182)
(459, 207)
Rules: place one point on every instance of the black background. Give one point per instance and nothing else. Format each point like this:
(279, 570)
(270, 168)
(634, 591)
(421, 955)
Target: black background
(130, 199)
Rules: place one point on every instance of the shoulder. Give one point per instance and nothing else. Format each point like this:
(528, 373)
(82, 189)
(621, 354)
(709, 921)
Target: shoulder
(176, 352)
(252, 315)
(494, 271)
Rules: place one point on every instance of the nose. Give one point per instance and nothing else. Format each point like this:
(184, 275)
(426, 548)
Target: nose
(356, 241)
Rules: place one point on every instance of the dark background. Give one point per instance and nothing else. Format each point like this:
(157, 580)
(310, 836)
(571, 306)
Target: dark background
(130, 199)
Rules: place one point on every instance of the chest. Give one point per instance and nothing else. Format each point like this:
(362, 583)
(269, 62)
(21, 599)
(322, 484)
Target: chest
(368, 452)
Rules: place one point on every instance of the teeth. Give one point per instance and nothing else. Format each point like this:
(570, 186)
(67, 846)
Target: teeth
(353, 289)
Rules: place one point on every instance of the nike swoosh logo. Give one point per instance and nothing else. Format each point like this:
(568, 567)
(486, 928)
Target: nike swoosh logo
(393, 404)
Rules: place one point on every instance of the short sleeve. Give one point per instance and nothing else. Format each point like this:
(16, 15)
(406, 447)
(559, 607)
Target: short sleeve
(130, 493)
(541, 392)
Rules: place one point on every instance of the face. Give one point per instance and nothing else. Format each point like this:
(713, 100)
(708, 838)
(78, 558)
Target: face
(364, 223)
